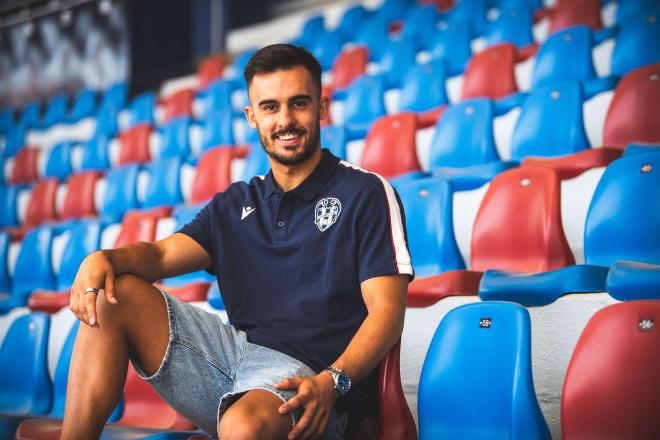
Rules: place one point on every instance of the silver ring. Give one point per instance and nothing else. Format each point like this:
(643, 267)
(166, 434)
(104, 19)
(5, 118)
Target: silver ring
(91, 290)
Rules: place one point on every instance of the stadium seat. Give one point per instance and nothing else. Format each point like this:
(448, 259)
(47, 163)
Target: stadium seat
(630, 117)
(84, 238)
(115, 96)
(505, 240)
(483, 350)
(364, 104)
(5, 281)
(215, 298)
(212, 175)
(79, 198)
(141, 109)
(398, 57)
(175, 141)
(25, 168)
(164, 184)
(256, 163)
(14, 140)
(351, 19)
(55, 111)
(121, 193)
(490, 73)
(107, 123)
(30, 115)
(177, 104)
(512, 25)
(622, 340)
(216, 97)
(428, 206)
(313, 28)
(59, 161)
(25, 386)
(390, 147)
(636, 43)
(83, 106)
(210, 69)
(470, 13)
(217, 130)
(326, 48)
(95, 153)
(423, 92)
(41, 207)
(6, 119)
(452, 44)
(33, 269)
(349, 64)
(135, 145)
(572, 165)
(8, 199)
(570, 13)
(629, 280)
(372, 33)
(464, 135)
(334, 138)
(550, 122)
(137, 226)
(419, 23)
(631, 9)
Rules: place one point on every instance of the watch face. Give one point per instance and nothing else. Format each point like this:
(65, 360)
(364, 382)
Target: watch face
(343, 383)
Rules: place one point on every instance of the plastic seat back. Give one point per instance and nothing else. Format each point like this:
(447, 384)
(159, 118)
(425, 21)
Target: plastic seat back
(83, 106)
(571, 44)
(14, 140)
(25, 387)
(85, 238)
(33, 266)
(95, 153)
(175, 141)
(256, 163)
(632, 115)
(41, 207)
(135, 145)
(550, 123)
(390, 147)
(137, 226)
(452, 44)
(217, 129)
(334, 138)
(373, 34)
(141, 109)
(210, 69)
(398, 58)
(30, 115)
(349, 64)
(55, 111)
(121, 192)
(364, 100)
(518, 226)
(164, 185)
(424, 87)
(512, 25)
(496, 333)
(622, 340)
(178, 104)
(79, 199)
(25, 166)
(428, 206)
(395, 421)
(569, 13)
(490, 73)
(8, 199)
(623, 218)
(5, 281)
(636, 43)
(216, 97)
(212, 175)
(115, 96)
(59, 161)
(326, 48)
(464, 135)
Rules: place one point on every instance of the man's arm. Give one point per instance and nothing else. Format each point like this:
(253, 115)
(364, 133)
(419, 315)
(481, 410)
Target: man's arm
(385, 298)
(174, 255)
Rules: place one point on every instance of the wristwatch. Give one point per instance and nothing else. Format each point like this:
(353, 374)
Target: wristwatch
(341, 379)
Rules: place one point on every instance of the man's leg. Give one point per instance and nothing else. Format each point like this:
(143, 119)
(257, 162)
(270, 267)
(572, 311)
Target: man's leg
(139, 325)
(255, 416)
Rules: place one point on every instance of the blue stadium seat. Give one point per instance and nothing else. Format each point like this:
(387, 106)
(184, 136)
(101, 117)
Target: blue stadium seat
(471, 13)
(398, 57)
(14, 140)
(216, 97)
(30, 115)
(83, 106)
(95, 153)
(142, 109)
(239, 64)
(334, 138)
(164, 186)
(629, 281)
(477, 381)
(25, 386)
(56, 111)
(372, 33)
(392, 9)
(6, 120)
(218, 129)
(215, 298)
(576, 44)
(452, 44)
(464, 135)
(326, 48)
(106, 121)
(256, 162)
(472, 177)
(85, 238)
(5, 282)
(115, 96)
(512, 25)
(641, 149)
(427, 203)
(423, 88)
(8, 199)
(312, 30)
(550, 122)
(121, 193)
(631, 9)
(59, 161)
(637, 43)
(419, 24)
(364, 104)
(175, 141)
(352, 19)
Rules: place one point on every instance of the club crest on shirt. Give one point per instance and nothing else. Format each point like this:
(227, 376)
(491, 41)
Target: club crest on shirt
(327, 212)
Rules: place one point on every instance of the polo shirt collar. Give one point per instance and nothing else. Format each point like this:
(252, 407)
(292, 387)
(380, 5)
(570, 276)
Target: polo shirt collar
(313, 183)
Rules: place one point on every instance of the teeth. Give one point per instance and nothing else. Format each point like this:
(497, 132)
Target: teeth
(288, 136)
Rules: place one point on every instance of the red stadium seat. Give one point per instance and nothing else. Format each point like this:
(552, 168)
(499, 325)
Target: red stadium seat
(25, 166)
(490, 73)
(178, 104)
(197, 291)
(137, 226)
(612, 385)
(79, 199)
(210, 69)
(135, 145)
(390, 147)
(327, 91)
(41, 207)
(441, 5)
(518, 228)
(568, 13)
(213, 174)
(350, 64)
(575, 164)
(633, 113)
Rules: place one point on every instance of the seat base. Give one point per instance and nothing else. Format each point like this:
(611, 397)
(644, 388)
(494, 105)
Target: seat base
(423, 292)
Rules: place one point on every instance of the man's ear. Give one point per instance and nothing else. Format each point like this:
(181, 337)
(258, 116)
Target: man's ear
(324, 107)
(249, 115)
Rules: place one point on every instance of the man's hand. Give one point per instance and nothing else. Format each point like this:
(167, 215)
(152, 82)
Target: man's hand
(94, 272)
(316, 394)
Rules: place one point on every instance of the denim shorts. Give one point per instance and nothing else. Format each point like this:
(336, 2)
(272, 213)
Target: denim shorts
(209, 365)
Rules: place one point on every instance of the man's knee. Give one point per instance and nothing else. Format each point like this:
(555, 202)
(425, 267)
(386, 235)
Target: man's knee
(128, 289)
(242, 426)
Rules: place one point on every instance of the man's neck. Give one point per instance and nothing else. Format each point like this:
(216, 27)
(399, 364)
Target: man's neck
(288, 177)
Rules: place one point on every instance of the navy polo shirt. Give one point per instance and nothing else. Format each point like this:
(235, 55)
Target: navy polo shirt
(289, 264)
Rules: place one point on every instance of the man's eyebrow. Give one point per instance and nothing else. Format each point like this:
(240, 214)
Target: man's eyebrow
(296, 97)
(267, 101)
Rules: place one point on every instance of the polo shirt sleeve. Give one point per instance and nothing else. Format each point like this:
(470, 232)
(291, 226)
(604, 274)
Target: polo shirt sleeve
(199, 229)
(381, 234)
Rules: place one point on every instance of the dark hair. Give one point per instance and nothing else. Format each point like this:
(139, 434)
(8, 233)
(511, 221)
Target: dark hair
(280, 57)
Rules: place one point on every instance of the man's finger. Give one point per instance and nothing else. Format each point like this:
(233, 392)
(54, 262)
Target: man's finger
(291, 383)
(310, 431)
(90, 307)
(295, 402)
(302, 424)
(109, 288)
(322, 426)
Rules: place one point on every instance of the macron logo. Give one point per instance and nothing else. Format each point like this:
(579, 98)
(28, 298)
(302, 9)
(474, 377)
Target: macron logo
(247, 211)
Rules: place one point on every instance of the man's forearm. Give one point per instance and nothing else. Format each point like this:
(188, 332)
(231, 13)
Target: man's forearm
(139, 259)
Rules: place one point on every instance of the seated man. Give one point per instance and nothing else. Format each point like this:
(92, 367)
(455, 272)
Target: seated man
(312, 263)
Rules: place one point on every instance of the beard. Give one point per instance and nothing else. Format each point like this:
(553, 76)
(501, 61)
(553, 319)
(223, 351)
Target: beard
(312, 142)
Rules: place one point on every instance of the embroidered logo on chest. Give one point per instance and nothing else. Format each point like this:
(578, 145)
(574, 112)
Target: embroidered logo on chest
(326, 212)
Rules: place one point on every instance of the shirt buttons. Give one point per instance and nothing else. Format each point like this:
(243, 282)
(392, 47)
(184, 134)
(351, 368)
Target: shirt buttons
(280, 223)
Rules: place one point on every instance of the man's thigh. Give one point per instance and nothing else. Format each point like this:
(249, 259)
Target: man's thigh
(255, 415)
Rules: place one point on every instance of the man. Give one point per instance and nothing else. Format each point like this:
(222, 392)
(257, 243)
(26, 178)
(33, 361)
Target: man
(313, 266)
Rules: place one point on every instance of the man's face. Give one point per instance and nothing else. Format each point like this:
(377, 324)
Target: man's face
(286, 110)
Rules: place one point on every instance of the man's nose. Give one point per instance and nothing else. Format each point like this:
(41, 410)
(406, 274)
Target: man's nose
(285, 118)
